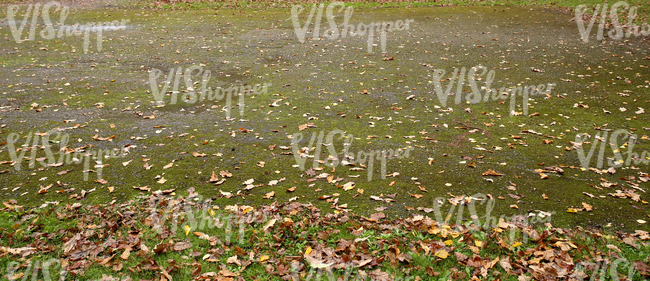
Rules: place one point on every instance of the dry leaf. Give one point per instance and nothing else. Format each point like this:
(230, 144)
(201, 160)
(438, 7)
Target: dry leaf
(491, 172)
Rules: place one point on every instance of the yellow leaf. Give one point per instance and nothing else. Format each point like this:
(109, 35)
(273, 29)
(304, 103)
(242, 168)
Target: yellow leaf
(187, 229)
(308, 251)
(442, 254)
(434, 230)
(516, 244)
(572, 210)
(448, 217)
(478, 243)
(449, 242)
(264, 258)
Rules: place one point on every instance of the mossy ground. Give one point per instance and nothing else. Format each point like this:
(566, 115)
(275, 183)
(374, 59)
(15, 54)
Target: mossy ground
(259, 46)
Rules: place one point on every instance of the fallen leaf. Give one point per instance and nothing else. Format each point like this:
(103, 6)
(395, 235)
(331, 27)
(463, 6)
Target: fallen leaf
(442, 254)
(269, 195)
(491, 172)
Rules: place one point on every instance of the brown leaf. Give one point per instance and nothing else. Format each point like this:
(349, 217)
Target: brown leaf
(269, 195)
(227, 273)
(63, 172)
(181, 246)
(105, 261)
(269, 224)
(505, 264)
(305, 126)
(642, 268)
(16, 276)
(460, 257)
(491, 172)
(126, 254)
(142, 188)
(378, 275)
(44, 189)
(160, 248)
(418, 196)
(376, 217)
(213, 177)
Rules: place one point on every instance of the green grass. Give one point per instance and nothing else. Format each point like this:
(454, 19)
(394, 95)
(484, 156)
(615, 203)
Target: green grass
(279, 244)
(643, 6)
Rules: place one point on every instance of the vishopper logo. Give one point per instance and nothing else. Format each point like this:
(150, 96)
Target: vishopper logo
(617, 32)
(168, 214)
(192, 94)
(599, 270)
(617, 160)
(35, 268)
(333, 33)
(67, 155)
(488, 221)
(360, 161)
(49, 32)
(478, 73)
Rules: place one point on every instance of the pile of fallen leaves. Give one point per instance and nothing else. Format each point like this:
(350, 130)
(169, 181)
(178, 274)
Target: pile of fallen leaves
(161, 237)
